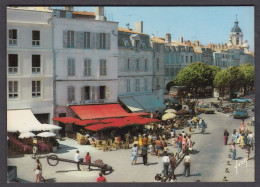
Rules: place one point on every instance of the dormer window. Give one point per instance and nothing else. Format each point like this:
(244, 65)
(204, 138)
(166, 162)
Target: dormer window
(143, 44)
(137, 43)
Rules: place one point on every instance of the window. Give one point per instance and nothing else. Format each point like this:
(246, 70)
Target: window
(86, 39)
(172, 59)
(237, 41)
(12, 63)
(137, 43)
(126, 42)
(71, 94)
(172, 72)
(102, 41)
(36, 64)
(191, 59)
(166, 71)
(63, 14)
(143, 44)
(12, 37)
(186, 59)
(70, 39)
(145, 85)
(103, 68)
(137, 65)
(87, 67)
(128, 64)
(157, 64)
(137, 85)
(157, 82)
(87, 95)
(128, 85)
(146, 65)
(102, 92)
(13, 89)
(35, 38)
(182, 58)
(71, 67)
(36, 88)
(158, 48)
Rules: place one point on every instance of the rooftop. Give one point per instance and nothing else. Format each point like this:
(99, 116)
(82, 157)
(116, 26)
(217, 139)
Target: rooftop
(84, 13)
(158, 40)
(120, 29)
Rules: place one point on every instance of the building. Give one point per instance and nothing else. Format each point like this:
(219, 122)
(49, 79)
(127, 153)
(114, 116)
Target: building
(135, 70)
(235, 52)
(30, 61)
(85, 59)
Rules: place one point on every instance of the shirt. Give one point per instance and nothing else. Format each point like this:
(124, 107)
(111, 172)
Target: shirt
(76, 157)
(179, 139)
(187, 159)
(88, 159)
(144, 150)
(101, 179)
(166, 159)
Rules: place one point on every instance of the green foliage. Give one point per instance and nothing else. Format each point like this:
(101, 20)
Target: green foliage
(249, 74)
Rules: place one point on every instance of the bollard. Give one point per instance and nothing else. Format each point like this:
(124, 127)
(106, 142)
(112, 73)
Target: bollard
(225, 179)
(229, 156)
(227, 170)
(230, 150)
(228, 163)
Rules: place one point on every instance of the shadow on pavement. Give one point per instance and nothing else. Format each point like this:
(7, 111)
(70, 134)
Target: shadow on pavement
(239, 158)
(51, 180)
(64, 171)
(64, 149)
(152, 163)
(194, 152)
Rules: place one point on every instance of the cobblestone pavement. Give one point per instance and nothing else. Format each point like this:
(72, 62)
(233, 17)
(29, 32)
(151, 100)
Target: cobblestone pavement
(208, 164)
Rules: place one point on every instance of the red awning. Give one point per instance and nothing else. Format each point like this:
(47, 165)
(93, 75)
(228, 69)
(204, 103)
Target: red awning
(67, 120)
(102, 111)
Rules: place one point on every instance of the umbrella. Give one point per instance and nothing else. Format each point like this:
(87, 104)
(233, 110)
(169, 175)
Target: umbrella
(168, 116)
(48, 127)
(26, 135)
(170, 111)
(46, 134)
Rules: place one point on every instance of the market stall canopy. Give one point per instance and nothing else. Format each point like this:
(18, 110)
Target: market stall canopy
(26, 135)
(24, 121)
(46, 134)
(131, 104)
(149, 102)
(170, 111)
(168, 116)
(67, 119)
(101, 111)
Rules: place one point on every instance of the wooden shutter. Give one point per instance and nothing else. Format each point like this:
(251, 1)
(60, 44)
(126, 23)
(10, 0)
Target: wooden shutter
(93, 92)
(92, 40)
(65, 39)
(82, 94)
(108, 41)
(77, 39)
(97, 40)
(89, 67)
(98, 92)
(108, 92)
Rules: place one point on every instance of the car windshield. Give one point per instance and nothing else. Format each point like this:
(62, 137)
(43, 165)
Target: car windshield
(204, 106)
(241, 110)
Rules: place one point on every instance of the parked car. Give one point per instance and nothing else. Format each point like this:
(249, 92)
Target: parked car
(252, 97)
(205, 109)
(240, 114)
(242, 100)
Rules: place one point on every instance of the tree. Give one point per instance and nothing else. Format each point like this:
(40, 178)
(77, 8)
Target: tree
(195, 75)
(249, 76)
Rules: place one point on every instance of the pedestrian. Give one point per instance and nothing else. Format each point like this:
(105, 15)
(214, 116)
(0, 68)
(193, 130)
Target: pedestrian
(187, 165)
(88, 160)
(184, 141)
(77, 159)
(145, 140)
(173, 179)
(144, 154)
(241, 141)
(203, 126)
(191, 125)
(173, 163)
(134, 154)
(233, 146)
(189, 143)
(38, 171)
(101, 178)
(140, 140)
(250, 139)
(127, 137)
(157, 178)
(234, 136)
(226, 134)
(179, 142)
(158, 144)
(166, 163)
(248, 151)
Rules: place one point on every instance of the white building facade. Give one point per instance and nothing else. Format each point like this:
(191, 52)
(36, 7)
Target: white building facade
(85, 60)
(30, 62)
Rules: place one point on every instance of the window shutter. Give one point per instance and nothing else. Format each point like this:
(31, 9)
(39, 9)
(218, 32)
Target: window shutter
(108, 92)
(97, 40)
(65, 39)
(92, 40)
(73, 66)
(77, 40)
(89, 67)
(81, 40)
(108, 41)
(93, 92)
(98, 92)
(82, 94)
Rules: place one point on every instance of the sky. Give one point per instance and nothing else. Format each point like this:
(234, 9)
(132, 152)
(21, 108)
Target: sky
(211, 24)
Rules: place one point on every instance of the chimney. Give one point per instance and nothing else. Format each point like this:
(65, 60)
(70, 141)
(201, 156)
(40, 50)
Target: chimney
(99, 13)
(138, 27)
(152, 35)
(69, 8)
(181, 39)
(168, 38)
